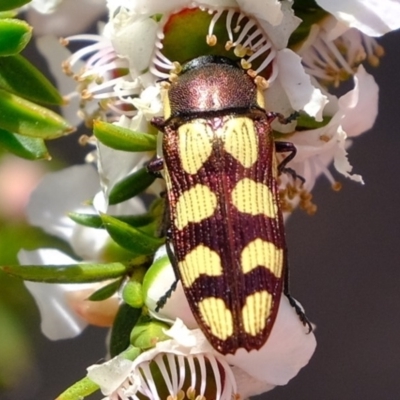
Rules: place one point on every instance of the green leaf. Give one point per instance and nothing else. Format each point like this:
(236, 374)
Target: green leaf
(95, 221)
(20, 77)
(26, 118)
(23, 146)
(132, 292)
(14, 36)
(11, 4)
(125, 139)
(79, 390)
(306, 122)
(147, 334)
(124, 322)
(131, 238)
(71, 273)
(7, 14)
(131, 186)
(106, 291)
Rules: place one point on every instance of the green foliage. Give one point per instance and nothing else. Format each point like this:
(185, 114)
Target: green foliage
(22, 87)
(72, 273)
(18, 76)
(125, 320)
(79, 390)
(14, 36)
(106, 291)
(130, 238)
(23, 146)
(131, 186)
(125, 139)
(147, 333)
(27, 118)
(12, 4)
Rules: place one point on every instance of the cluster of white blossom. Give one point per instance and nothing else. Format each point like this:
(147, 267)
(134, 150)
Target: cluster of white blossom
(132, 41)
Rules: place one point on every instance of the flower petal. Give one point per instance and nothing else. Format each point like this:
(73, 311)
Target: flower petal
(268, 10)
(111, 374)
(297, 85)
(287, 350)
(59, 321)
(374, 18)
(52, 200)
(361, 104)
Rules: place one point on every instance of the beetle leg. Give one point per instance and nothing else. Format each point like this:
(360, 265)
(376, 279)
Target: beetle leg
(281, 118)
(287, 147)
(155, 166)
(163, 299)
(299, 311)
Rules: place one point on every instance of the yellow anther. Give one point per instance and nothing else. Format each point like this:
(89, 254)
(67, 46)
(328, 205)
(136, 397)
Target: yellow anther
(325, 138)
(239, 51)
(173, 77)
(86, 95)
(63, 41)
(211, 40)
(373, 60)
(66, 68)
(336, 186)
(261, 82)
(176, 67)
(379, 51)
(191, 393)
(228, 45)
(245, 64)
(165, 85)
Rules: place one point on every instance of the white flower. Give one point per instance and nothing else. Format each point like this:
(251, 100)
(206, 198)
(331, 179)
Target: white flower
(64, 308)
(374, 18)
(66, 191)
(288, 348)
(67, 16)
(45, 6)
(352, 114)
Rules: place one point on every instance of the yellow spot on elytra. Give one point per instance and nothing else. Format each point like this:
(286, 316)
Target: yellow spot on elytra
(264, 254)
(254, 198)
(241, 140)
(194, 205)
(217, 316)
(256, 311)
(200, 260)
(195, 145)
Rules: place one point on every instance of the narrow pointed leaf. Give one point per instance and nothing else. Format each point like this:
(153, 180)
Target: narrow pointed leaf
(11, 4)
(79, 390)
(20, 77)
(95, 221)
(124, 322)
(26, 118)
(23, 146)
(106, 291)
(131, 238)
(14, 36)
(72, 273)
(131, 186)
(7, 14)
(125, 139)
